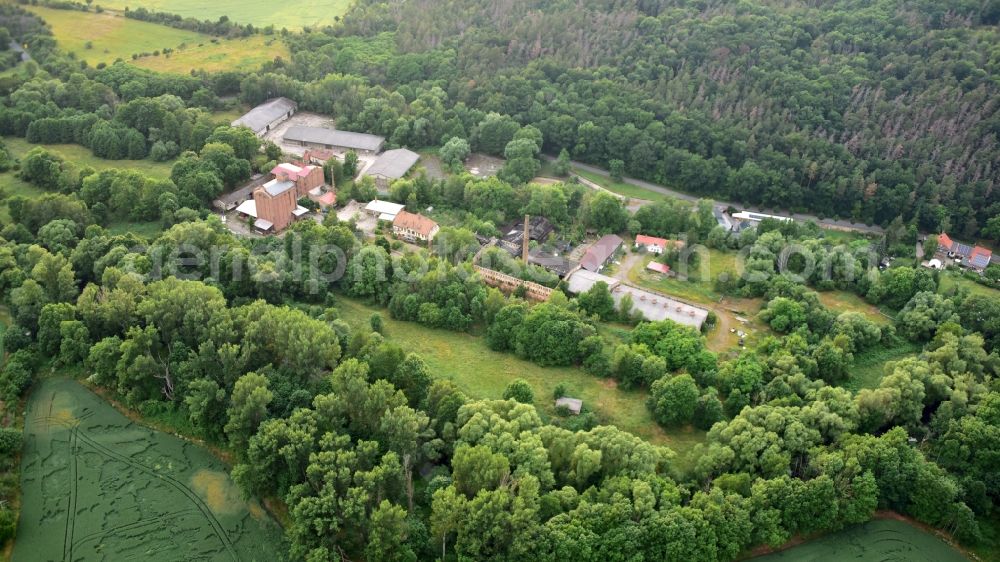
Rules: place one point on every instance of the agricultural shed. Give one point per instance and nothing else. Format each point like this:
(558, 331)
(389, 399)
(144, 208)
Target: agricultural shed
(266, 115)
(600, 252)
(333, 139)
(390, 166)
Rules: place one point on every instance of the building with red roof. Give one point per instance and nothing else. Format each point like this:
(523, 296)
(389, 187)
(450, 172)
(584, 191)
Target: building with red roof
(658, 267)
(945, 242)
(651, 244)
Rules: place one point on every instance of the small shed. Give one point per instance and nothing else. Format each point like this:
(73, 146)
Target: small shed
(574, 405)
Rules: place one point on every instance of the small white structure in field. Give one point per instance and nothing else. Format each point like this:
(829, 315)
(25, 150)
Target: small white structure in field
(574, 405)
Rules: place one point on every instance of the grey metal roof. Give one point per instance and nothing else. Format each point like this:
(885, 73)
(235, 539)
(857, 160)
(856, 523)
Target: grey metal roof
(334, 137)
(258, 118)
(393, 163)
(980, 261)
(962, 249)
(597, 255)
(274, 188)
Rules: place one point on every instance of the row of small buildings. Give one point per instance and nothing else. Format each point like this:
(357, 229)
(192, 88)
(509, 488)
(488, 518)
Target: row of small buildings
(976, 258)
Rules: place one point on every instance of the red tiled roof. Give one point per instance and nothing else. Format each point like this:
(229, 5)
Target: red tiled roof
(415, 222)
(327, 199)
(944, 240)
(292, 170)
(651, 241)
(657, 266)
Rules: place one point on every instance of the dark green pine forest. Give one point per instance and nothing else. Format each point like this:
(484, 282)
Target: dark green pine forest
(858, 109)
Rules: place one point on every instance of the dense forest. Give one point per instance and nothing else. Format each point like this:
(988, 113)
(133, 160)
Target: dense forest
(855, 109)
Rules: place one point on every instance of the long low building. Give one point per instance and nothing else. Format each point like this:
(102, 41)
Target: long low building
(757, 217)
(653, 306)
(334, 139)
(265, 116)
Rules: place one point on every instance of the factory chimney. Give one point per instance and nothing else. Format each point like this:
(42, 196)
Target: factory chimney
(525, 240)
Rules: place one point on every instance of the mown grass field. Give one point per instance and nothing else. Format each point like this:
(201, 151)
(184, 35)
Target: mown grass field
(108, 36)
(483, 373)
(261, 13)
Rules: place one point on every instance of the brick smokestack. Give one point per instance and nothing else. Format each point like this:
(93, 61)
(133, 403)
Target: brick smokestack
(525, 240)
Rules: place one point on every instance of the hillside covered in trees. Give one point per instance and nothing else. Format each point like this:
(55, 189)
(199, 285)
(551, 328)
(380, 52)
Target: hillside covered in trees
(858, 109)
(364, 449)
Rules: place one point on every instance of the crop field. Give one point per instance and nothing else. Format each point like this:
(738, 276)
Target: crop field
(483, 373)
(97, 486)
(875, 541)
(261, 13)
(108, 36)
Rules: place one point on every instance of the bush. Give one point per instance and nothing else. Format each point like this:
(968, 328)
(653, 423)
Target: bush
(519, 390)
(560, 391)
(15, 378)
(10, 441)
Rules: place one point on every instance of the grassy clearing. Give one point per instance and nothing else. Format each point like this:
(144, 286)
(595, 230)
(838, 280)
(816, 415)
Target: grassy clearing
(869, 367)
(484, 373)
(845, 301)
(150, 229)
(82, 156)
(621, 188)
(698, 287)
(108, 36)
(261, 13)
(245, 53)
(951, 281)
(230, 115)
(11, 185)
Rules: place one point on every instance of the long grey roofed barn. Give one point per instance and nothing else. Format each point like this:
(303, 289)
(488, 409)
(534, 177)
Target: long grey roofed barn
(600, 252)
(333, 138)
(260, 118)
(393, 164)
